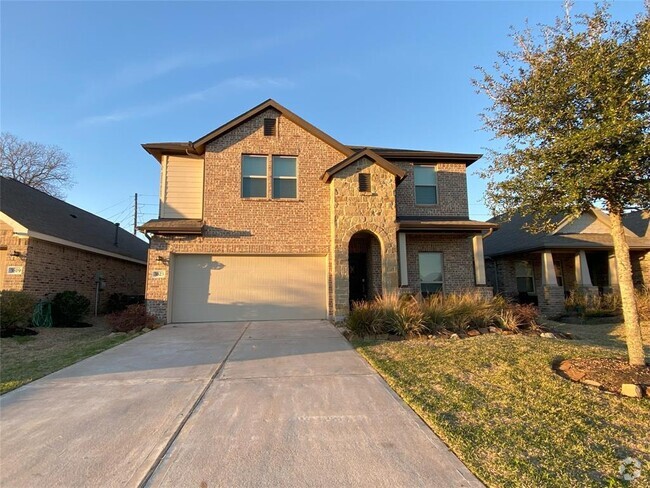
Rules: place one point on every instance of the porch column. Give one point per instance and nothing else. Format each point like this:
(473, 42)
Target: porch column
(582, 270)
(613, 270)
(479, 260)
(548, 269)
(403, 266)
(551, 303)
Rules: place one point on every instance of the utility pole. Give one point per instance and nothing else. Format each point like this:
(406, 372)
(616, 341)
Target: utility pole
(135, 214)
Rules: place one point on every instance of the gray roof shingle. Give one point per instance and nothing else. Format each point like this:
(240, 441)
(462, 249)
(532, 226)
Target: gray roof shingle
(513, 238)
(42, 213)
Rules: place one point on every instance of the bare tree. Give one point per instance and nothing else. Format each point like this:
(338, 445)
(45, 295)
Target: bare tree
(46, 168)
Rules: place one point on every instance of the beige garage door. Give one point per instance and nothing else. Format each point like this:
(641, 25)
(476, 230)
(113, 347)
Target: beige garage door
(227, 288)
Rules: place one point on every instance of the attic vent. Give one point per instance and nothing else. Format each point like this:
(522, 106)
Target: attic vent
(73, 216)
(269, 127)
(364, 182)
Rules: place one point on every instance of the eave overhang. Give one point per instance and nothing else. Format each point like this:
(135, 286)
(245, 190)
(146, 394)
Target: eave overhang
(173, 227)
(473, 226)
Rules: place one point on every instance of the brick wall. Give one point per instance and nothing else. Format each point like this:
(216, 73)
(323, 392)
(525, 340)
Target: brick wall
(452, 192)
(458, 261)
(253, 226)
(320, 221)
(12, 244)
(50, 268)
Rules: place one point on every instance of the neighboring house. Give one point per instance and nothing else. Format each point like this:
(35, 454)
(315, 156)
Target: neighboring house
(48, 246)
(269, 218)
(579, 254)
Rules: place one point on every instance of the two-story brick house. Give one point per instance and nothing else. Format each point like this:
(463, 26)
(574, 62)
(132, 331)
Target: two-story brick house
(269, 218)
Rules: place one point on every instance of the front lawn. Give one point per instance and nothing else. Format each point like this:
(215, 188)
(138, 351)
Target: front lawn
(24, 359)
(495, 400)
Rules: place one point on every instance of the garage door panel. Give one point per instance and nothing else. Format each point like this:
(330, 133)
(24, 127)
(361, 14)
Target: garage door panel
(225, 288)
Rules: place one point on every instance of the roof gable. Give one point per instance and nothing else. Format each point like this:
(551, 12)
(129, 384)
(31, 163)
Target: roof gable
(365, 153)
(514, 238)
(197, 147)
(593, 221)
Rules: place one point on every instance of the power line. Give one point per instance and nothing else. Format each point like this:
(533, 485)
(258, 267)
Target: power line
(114, 205)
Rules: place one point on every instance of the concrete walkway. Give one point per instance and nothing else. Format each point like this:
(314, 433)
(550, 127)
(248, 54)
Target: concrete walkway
(237, 405)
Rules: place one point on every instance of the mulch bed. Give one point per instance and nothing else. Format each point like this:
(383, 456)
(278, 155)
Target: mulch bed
(605, 373)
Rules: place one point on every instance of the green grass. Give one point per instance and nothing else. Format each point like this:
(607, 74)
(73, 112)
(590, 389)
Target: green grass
(25, 359)
(497, 403)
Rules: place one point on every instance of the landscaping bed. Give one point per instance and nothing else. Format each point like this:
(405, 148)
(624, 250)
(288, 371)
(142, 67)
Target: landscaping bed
(496, 400)
(610, 374)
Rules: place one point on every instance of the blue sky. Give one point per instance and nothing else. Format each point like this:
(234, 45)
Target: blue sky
(100, 78)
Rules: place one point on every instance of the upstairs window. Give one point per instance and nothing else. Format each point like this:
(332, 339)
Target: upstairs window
(426, 185)
(253, 171)
(431, 277)
(270, 126)
(284, 177)
(524, 275)
(364, 183)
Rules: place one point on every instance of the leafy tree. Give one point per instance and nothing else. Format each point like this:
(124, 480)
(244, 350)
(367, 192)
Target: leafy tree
(571, 103)
(46, 168)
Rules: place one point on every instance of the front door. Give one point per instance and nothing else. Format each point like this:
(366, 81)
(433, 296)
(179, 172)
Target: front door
(358, 270)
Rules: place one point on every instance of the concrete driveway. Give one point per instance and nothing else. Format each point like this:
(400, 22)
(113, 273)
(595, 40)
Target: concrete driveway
(212, 405)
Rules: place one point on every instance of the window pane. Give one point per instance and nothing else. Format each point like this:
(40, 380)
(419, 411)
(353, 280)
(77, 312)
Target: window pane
(523, 269)
(284, 166)
(525, 285)
(430, 267)
(425, 175)
(254, 187)
(426, 195)
(284, 188)
(253, 166)
(430, 288)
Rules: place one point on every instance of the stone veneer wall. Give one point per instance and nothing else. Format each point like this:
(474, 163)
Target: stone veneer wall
(354, 211)
(452, 192)
(234, 225)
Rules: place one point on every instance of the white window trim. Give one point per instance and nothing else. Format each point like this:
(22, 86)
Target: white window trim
(415, 185)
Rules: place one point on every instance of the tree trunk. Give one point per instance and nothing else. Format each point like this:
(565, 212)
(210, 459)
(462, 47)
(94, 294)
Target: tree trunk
(628, 298)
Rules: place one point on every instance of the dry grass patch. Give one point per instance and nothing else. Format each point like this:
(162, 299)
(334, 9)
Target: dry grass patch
(496, 401)
(25, 359)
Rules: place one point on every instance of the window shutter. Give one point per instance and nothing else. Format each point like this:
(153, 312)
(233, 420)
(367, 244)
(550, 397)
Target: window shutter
(269, 127)
(364, 182)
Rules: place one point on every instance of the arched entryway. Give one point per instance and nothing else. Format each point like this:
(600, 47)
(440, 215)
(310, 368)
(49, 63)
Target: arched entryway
(364, 266)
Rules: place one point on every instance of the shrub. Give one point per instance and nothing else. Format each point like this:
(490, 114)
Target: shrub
(413, 315)
(119, 301)
(593, 305)
(133, 318)
(435, 313)
(403, 316)
(16, 308)
(526, 315)
(364, 319)
(68, 308)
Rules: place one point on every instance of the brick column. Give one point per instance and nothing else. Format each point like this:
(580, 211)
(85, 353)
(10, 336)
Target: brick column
(551, 300)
